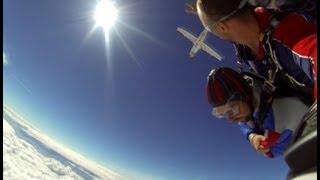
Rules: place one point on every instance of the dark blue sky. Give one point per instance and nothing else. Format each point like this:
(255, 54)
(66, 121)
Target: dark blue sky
(141, 112)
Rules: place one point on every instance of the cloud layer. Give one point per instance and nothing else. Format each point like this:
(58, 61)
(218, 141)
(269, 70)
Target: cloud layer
(27, 154)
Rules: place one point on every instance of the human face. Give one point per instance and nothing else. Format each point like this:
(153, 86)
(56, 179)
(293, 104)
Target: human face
(228, 29)
(209, 24)
(217, 28)
(235, 111)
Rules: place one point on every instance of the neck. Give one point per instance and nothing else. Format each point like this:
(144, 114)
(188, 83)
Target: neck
(252, 40)
(253, 45)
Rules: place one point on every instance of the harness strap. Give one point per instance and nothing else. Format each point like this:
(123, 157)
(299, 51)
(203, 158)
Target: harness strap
(276, 75)
(268, 88)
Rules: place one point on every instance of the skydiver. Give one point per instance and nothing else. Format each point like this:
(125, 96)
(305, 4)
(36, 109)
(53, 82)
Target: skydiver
(266, 42)
(234, 98)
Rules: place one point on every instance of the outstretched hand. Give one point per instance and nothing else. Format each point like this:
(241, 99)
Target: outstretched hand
(256, 143)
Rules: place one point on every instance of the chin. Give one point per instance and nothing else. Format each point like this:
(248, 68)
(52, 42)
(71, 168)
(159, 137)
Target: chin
(241, 119)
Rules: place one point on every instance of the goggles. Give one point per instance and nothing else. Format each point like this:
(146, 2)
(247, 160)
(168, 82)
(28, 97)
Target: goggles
(211, 27)
(230, 108)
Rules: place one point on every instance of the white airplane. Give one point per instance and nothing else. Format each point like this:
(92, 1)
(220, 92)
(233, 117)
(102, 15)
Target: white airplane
(198, 43)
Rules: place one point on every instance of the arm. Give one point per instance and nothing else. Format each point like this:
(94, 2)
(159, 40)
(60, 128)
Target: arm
(278, 143)
(274, 144)
(246, 130)
(300, 36)
(254, 137)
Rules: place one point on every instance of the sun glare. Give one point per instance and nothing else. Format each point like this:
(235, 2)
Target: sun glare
(105, 14)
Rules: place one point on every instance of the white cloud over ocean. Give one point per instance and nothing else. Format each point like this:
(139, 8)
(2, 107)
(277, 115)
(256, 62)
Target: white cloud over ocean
(28, 154)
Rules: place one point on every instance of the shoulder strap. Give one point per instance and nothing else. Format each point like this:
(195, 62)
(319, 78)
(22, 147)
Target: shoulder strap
(265, 98)
(276, 72)
(269, 84)
(277, 75)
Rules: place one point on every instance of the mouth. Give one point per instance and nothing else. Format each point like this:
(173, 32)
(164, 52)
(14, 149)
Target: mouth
(238, 119)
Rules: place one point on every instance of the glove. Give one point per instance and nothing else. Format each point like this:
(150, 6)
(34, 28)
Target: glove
(270, 141)
(282, 144)
(277, 142)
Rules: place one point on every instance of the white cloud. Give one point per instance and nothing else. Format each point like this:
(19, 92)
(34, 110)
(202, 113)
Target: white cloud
(5, 59)
(27, 154)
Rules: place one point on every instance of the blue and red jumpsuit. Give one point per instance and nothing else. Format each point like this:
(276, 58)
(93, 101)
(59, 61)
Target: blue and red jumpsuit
(295, 42)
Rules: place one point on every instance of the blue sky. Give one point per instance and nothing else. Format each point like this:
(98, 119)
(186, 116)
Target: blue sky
(141, 112)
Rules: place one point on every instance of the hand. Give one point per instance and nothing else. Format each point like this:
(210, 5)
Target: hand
(263, 150)
(191, 9)
(256, 143)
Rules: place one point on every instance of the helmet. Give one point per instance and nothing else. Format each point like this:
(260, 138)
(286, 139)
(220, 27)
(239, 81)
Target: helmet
(226, 83)
(220, 10)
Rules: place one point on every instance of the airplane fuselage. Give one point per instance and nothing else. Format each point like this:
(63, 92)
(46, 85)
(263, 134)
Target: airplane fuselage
(197, 44)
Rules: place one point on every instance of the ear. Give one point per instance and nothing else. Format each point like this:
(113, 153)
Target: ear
(223, 27)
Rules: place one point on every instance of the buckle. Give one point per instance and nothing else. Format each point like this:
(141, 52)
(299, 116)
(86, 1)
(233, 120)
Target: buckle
(268, 86)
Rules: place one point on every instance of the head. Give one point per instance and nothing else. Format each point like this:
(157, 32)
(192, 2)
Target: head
(231, 20)
(230, 95)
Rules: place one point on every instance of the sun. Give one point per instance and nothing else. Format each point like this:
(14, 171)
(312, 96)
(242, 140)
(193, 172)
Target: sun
(105, 14)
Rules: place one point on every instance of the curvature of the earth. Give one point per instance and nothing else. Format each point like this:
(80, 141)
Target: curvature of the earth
(30, 155)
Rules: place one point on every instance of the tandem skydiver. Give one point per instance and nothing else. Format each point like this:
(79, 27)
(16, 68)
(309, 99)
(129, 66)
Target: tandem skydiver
(280, 50)
(279, 47)
(235, 96)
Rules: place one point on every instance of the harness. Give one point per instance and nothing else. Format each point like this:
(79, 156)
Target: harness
(278, 83)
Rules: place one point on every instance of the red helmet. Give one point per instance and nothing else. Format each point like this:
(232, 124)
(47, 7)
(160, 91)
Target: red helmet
(225, 83)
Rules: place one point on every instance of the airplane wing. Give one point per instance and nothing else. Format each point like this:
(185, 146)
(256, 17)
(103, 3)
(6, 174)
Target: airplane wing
(210, 51)
(186, 34)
